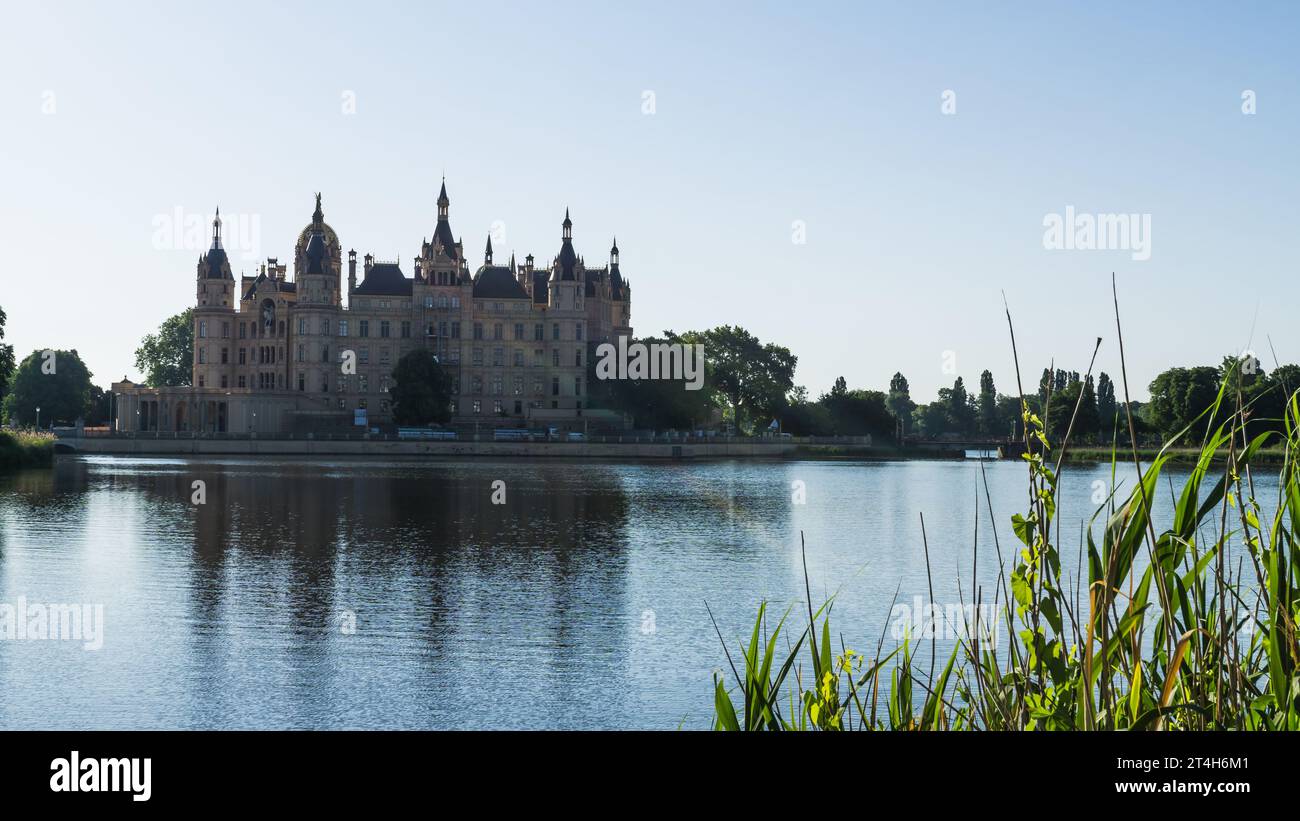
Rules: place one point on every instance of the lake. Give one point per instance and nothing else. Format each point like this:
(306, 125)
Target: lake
(353, 593)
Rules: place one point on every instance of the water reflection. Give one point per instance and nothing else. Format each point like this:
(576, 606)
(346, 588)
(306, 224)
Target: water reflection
(577, 603)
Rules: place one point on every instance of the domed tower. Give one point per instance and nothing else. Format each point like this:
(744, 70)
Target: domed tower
(316, 309)
(214, 315)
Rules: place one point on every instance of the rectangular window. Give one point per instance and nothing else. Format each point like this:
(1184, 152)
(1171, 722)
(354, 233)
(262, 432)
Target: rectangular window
(555, 357)
(519, 330)
(223, 381)
(497, 332)
(455, 330)
(301, 353)
(384, 356)
(343, 327)
(476, 384)
(203, 355)
(477, 356)
(577, 358)
(324, 327)
(225, 333)
(302, 381)
(363, 383)
(203, 329)
(428, 301)
(555, 331)
(384, 329)
(577, 386)
(363, 327)
(478, 330)
(537, 385)
(455, 303)
(363, 355)
(498, 357)
(406, 329)
(496, 385)
(519, 357)
(478, 406)
(243, 381)
(518, 386)
(496, 407)
(225, 357)
(325, 353)
(243, 332)
(539, 332)
(577, 331)
(555, 386)
(302, 326)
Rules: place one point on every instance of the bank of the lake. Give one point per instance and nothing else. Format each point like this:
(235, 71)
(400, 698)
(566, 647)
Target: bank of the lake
(23, 449)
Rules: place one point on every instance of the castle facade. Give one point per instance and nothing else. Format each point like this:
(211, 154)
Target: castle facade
(274, 354)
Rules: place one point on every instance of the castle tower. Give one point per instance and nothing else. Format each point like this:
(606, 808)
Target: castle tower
(214, 315)
(310, 353)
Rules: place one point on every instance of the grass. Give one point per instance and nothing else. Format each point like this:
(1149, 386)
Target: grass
(1168, 634)
(21, 448)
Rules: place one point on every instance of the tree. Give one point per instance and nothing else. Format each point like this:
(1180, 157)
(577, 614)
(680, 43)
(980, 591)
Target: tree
(858, 412)
(1179, 396)
(900, 401)
(989, 422)
(960, 415)
(6, 360)
(167, 357)
(59, 385)
(1106, 408)
(421, 390)
(653, 404)
(932, 419)
(751, 378)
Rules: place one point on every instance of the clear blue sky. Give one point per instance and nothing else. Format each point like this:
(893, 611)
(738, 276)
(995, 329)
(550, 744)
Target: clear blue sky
(764, 114)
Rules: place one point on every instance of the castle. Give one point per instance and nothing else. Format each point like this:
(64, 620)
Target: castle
(283, 355)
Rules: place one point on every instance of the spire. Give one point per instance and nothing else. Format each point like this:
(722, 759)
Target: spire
(568, 225)
(443, 202)
(487, 255)
(317, 216)
(216, 229)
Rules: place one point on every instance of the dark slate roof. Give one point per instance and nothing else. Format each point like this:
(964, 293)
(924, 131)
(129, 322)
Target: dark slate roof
(443, 234)
(496, 282)
(316, 253)
(216, 258)
(615, 282)
(384, 279)
(541, 290)
(568, 258)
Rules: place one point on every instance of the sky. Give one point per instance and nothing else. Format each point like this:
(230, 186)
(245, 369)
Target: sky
(861, 183)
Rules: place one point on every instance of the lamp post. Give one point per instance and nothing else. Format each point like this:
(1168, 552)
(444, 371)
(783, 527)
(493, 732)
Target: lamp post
(38, 417)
